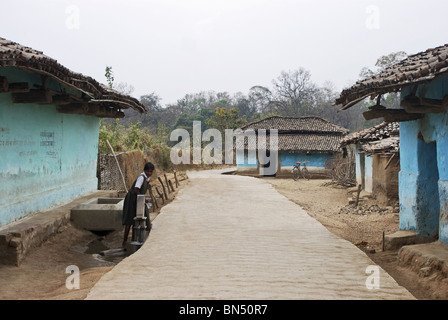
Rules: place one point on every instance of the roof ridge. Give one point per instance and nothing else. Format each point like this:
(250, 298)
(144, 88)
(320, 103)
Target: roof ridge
(335, 126)
(416, 68)
(20, 56)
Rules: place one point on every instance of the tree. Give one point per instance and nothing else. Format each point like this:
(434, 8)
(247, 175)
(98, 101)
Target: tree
(294, 93)
(382, 63)
(109, 76)
(226, 119)
(124, 88)
(261, 98)
(391, 100)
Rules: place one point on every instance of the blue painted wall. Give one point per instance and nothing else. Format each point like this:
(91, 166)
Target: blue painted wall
(368, 159)
(246, 160)
(47, 157)
(316, 160)
(287, 160)
(423, 178)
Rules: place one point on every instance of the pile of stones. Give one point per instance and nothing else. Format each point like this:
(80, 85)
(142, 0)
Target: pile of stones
(367, 209)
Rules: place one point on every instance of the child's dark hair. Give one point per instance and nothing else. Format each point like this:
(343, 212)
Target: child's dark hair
(148, 166)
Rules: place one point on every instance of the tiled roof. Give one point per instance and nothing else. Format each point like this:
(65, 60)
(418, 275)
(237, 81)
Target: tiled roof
(387, 145)
(378, 132)
(380, 138)
(418, 68)
(306, 134)
(302, 124)
(16, 55)
(314, 143)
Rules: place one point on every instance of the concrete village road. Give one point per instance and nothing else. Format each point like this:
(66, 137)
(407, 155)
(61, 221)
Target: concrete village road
(234, 237)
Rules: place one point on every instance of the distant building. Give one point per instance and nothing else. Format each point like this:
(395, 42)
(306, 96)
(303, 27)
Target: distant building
(422, 80)
(49, 125)
(307, 139)
(377, 160)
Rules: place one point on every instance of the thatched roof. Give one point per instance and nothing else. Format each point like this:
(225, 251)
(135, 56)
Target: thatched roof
(305, 134)
(15, 55)
(418, 68)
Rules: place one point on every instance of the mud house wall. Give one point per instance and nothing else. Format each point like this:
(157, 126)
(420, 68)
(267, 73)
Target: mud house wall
(385, 180)
(364, 169)
(359, 164)
(424, 173)
(248, 163)
(131, 164)
(47, 157)
(315, 162)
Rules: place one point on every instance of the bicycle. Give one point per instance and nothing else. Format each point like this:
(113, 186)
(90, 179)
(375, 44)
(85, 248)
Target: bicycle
(298, 172)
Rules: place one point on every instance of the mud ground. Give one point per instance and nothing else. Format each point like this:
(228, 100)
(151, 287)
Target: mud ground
(43, 274)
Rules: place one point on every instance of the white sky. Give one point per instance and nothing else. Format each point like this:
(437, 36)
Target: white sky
(175, 47)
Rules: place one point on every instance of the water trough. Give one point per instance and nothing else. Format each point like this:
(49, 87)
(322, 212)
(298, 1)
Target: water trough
(99, 214)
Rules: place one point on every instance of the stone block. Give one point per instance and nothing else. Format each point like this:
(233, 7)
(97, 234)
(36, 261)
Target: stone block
(98, 214)
(398, 239)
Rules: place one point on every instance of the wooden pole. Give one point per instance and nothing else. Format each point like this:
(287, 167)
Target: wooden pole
(160, 195)
(118, 165)
(166, 182)
(171, 185)
(153, 199)
(3, 84)
(357, 195)
(388, 162)
(175, 179)
(163, 187)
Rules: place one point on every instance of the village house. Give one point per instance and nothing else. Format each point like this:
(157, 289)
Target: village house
(49, 127)
(377, 160)
(422, 80)
(310, 140)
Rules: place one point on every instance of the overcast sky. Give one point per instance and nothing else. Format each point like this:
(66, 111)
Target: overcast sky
(175, 47)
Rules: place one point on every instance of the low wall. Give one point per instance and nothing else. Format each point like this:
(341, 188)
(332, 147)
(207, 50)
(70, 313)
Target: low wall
(385, 180)
(131, 164)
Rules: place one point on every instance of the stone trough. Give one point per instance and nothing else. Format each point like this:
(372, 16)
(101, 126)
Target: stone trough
(98, 214)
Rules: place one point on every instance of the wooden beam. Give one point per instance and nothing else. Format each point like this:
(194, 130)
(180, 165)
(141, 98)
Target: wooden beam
(92, 109)
(413, 104)
(434, 102)
(391, 115)
(61, 99)
(3, 84)
(33, 96)
(74, 108)
(104, 112)
(412, 108)
(17, 87)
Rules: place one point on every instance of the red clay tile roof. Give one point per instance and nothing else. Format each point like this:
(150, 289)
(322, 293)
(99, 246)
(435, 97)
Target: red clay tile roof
(16, 55)
(378, 132)
(418, 68)
(305, 134)
(301, 124)
(380, 138)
